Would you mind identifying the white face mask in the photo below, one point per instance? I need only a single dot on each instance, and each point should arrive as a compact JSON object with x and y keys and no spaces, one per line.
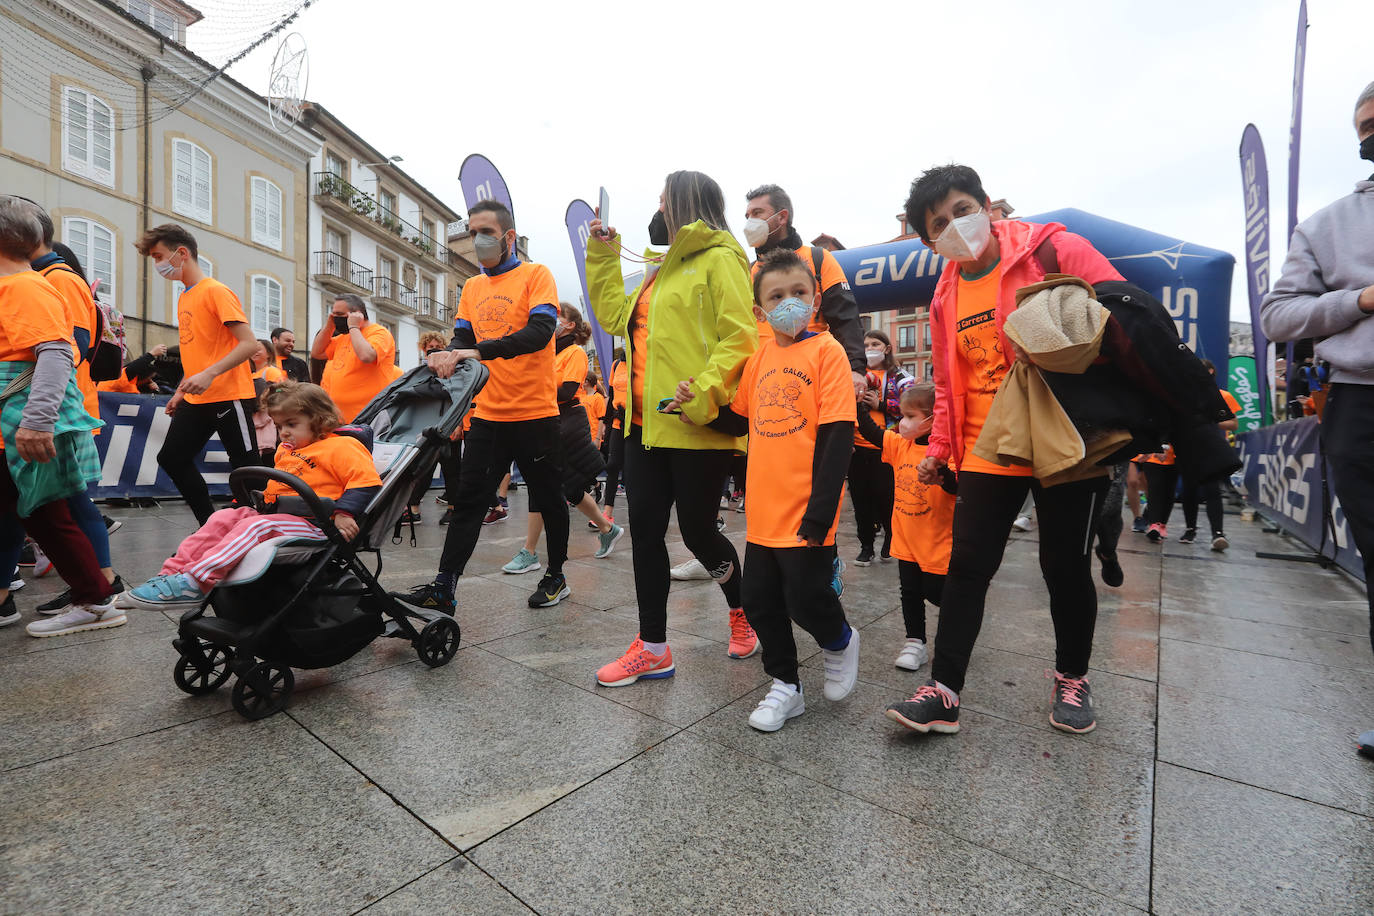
{"x":875,"y":358}
{"x":755,"y":231}
{"x":167,"y":270}
{"x":966,"y":238}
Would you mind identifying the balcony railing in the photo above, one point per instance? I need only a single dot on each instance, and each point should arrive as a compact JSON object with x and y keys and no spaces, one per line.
{"x":394,"y":290}
{"x":333,"y":264}
{"x":327,"y":184}
{"x":429,"y":307}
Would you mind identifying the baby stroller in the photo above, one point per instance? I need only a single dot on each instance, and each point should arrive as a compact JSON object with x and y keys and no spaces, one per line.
{"x":307,"y":604}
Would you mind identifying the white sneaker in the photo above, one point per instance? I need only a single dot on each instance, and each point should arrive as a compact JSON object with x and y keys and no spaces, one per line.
{"x":783,"y":702}
{"x":912,"y":656}
{"x":841,"y":668}
{"x":1023,"y":523}
{"x":692,"y":569}
{"x":41,"y":564}
{"x":80,"y":618}
{"x":16,"y":584}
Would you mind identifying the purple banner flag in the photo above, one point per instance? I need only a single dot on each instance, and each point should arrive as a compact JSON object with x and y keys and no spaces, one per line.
{"x":1254,"y":176}
{"x":578,"y":219}
{"x":1295,"y":126}
{"x":482,"y":181}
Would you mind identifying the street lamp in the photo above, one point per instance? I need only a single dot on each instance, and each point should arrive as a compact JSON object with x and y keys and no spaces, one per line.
{"x":388,"y":161}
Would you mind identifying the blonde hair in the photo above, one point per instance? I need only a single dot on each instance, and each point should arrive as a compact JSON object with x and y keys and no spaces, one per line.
{"x":430,"y":337}
{"x":310,"y":401}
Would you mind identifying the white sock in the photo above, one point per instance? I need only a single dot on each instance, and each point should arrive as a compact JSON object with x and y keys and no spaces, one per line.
{"x":947,"y":692}
{"x":657,"y":648}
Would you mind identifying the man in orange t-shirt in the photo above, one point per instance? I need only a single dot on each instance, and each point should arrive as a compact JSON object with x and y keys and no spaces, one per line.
{"x":216,"y":392}
{"x":506,"y":317}
{"x":361,"y":354}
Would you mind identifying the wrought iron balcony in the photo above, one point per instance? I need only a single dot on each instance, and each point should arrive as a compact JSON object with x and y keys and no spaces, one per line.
{"x":429,"y":307}
{"x":330,"y":265}
{"x":392,"y":290}
{"x":333,"y":188}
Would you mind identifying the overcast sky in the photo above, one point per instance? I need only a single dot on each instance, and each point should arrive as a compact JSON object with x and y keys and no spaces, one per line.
{"x":1133,"y":111}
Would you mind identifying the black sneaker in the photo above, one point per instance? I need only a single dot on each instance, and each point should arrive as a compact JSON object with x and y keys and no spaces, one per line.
{"x":865,"y":557}
{"x":1219,"y":542}
{"x":930,"y":709}
{"x":1073,"y":705}
{"x":410,"y":517}
{"x":1140,"y":525}
{"x":447,"y":516}
{"x":552,"y":589}
{"x":431,"y":595}
{"x":1112,"y":573}
{"x":111,"y":524}
{"x":26,"y":555}
{"x":1188,"y":536}
{"x":886,"y":552}
{"x":720,"y":523}
{"x":8,"y":612}
{"x":1365,"y":743}
{"x":64,"y":600}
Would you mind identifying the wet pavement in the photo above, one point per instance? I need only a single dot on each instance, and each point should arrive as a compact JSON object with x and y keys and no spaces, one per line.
{"x":1221,"y":778}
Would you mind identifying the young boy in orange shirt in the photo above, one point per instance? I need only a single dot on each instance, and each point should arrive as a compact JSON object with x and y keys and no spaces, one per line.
{"x":335,"y":467}
{"x":922,"y":516}
{"x":796,"y":401}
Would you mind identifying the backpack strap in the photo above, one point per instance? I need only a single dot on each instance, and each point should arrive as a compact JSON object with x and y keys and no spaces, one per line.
{"x":817,"y":259}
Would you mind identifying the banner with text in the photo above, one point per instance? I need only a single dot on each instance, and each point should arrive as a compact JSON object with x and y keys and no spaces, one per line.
{"x":1254,"y":176}
{"x":1241,"y":382}
{"x":578,"y":218}
{"x":1282,"y":477}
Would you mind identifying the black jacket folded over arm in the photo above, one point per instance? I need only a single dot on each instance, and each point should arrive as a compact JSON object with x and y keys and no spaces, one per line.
{"x":534,"y":336}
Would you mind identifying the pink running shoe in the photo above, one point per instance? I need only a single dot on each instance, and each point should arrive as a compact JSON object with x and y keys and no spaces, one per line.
{"x":1157,"y":532}
{"x":743,"y":641}
{"x":637,"y":662}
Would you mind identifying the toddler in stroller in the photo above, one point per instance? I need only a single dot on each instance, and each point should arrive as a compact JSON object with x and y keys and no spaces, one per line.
{"x":288,"y":589}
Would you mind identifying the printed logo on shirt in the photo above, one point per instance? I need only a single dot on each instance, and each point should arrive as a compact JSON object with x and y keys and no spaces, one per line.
{"x":184,"y":329}
{"x":492,"y":318}
{"x":777,"y":413}
{"x":909,"y":494}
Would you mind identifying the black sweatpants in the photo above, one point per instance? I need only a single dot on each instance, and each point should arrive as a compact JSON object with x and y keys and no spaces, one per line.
{"x":983,"y":512}
{"x":1210,"y":494}
{"x":917,"y":587}
{"x":1348,"y":442}
{"x":656,"y":480}
{"x":615,"y":463}
{"x":870,"y":490}
{"x":489,"y":449}
{"x":787,"y":584}
{"x":191,"y":427}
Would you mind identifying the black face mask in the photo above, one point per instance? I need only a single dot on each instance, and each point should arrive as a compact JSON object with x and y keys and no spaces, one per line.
{"x":658,"y":229}
{"x":340,"y":324}
{"x":1367,"y":148}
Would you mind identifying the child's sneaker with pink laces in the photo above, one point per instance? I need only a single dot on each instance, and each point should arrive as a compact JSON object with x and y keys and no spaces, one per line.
{"x":744,"y":642}
{"x":1073,"y":705}
{"x":637,"y":662}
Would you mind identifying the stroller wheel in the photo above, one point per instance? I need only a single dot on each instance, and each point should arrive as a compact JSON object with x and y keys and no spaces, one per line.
{"x":201,"y":676}
{"x":263,"y":690}
{"x":438,"y":641}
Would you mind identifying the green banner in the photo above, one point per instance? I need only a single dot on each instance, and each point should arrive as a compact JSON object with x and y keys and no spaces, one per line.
{"x":1244,"y":386}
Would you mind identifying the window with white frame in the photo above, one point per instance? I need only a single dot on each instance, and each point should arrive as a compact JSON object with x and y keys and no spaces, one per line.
{"x":94,"y":246}
{"x":87,"y":136}
{"x":266,"y":305}
{"x":266,"y":213}
{"x":152,"y":13}
{"x":335,"y":166}
{"x":192,"y":177}
{"x":206,"y":268}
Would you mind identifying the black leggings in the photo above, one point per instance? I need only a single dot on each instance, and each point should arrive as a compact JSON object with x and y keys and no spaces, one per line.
{"x":615,"y":463}
{"x":918,"y":587}
{"x":191,"y":427}
{"x":536,"y":448}
{"x":1162,"y":479}
{"x":1347,"y":433}
{"x":983,"y":514}
{"x":870,"y":489}
{"x":1109,"y":522}
{"x":783,"y":585}
{"x":656,"y":480}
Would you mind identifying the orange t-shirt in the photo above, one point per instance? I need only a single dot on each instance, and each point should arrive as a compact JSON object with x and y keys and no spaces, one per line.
{"x":1166,"y":457}
{"x":570,"y":365}
{"x":1231,"y":401}
{"x":922,"y":514}
{"x":982,"y":364}
{"x":76,"y":296}
{"x":596,"y":409}
{"x":521,"y":388}
{"x":31,"y":313}
{"x":352,"y":382}
{"x":329,"y":465}
{"x":620,"y":385}
{"x":639,"y":351}
{"x":121,"y":385}
{"x":203,"y":311}
{"x":788,"y":393}
{"x":879,"y":416}
{"x":831,"y":274}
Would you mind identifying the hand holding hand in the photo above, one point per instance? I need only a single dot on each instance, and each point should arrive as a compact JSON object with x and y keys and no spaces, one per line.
{"x":860,"y":384}
{"x":870,"y":399}
{"x":928,"y":471}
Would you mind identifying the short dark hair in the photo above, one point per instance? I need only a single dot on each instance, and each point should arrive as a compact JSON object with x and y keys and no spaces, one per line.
{"x":777,"y":261}
{"x":20,"y":231}
{"x":354,"y":303}
{"x":777,"y":199}
{"x":169,"y":234}
{"x":920,"y":395}
{"x":503,"y":214}
{"x":934,"y":185}
{"x":277,"y":332}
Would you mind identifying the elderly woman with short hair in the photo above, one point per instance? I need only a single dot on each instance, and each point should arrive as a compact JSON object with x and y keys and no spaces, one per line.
{"x":47,"y":453}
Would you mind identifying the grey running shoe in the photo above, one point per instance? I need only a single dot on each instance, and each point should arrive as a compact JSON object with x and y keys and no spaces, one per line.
{"x":1073,"y":705}
{"x":930,"y":709}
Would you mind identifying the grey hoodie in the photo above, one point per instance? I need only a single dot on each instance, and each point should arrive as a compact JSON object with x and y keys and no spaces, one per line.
{"x":1330,"y":261}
